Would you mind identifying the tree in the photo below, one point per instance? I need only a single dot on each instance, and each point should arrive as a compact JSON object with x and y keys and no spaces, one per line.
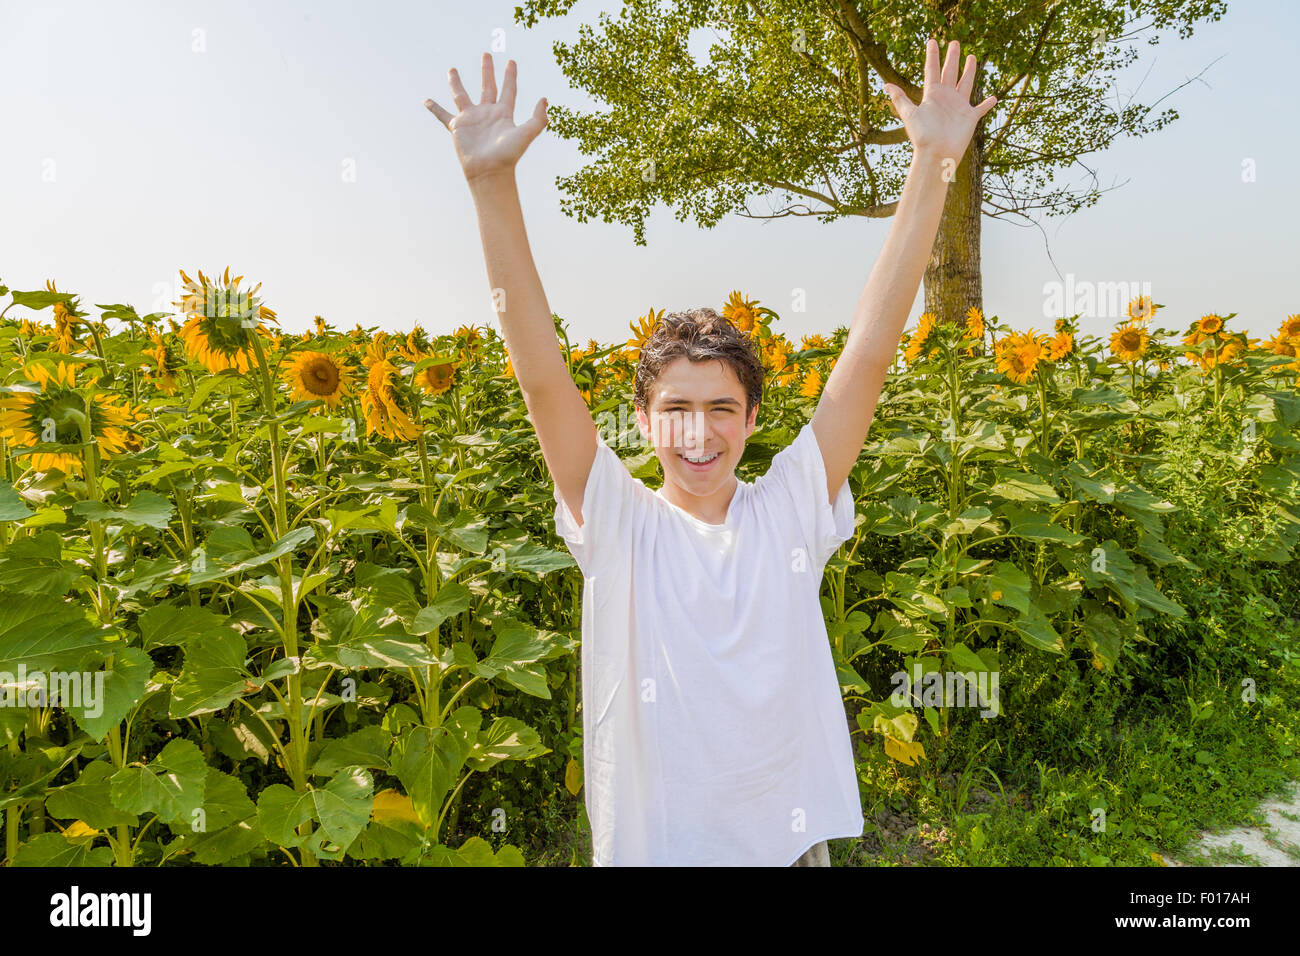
{"x":790,"y":101}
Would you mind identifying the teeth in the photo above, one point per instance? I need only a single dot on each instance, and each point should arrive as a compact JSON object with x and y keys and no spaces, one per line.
{"x":701,"y":461}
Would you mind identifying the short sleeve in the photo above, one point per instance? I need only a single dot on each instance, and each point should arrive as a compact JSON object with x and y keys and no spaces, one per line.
{"x":610,"y":502}
{"x":797,"y":475}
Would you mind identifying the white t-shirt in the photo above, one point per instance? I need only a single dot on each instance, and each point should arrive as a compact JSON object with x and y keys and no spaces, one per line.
{"x":714,"y":733}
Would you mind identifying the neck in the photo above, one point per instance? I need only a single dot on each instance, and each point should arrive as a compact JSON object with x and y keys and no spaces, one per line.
{"x":711,"y":509}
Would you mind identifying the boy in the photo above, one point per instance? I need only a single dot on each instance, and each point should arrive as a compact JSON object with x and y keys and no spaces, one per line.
{"x":713,"y":729}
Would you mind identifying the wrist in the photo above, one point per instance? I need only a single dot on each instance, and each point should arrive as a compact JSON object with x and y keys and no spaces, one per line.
{"x":491,"y":178}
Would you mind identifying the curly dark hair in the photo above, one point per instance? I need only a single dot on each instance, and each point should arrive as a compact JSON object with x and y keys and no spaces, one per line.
{"x":701,"y":335}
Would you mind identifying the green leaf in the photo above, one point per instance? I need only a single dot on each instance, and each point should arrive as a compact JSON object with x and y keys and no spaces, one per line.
{"x":146,"y":510}
{"x":11,"y":504}
{"x":451,"y":599}
{"x":507,"y":739}
{"x":213,"y":675}
{"x":118,"y":690}
{"x":1010,"y":587}
{"x":171,"y":785}
{"x":171,"y":624}
{"x":46,"y":633}
{"x":967,"y":521}
{"x":367,"y":747}
{"x":35,"y":565}
{"x":1022,"y":486}
{"x":1037,"y":526}
{"x":342,"y":808}
{"x":88,"y":799}
{"x":428,"y":760}
{"x":55,"y":850}
{"x":1105,"y":635}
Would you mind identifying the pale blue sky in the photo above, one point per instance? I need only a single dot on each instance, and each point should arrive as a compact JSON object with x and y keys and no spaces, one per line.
{"x":163,"y":156}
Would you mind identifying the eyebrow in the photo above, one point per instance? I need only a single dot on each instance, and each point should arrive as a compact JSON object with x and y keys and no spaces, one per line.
{"x":675,"y":400}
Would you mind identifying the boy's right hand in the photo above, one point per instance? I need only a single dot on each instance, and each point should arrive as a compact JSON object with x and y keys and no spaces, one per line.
{"x":486,"y":137}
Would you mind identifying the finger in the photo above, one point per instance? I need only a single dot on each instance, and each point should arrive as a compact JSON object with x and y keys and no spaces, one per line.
{"x":931,"y":62}
{"x":489,"y":80}
{"x":443,"y":116}
{"x":537,"y":122}
{"x":458,"y":94}
{"x":984,"y":106}
{"x":949,"y":76}
{"x":967,"y":81}
{"x":898,"y":100}
{"x":508,"y":88}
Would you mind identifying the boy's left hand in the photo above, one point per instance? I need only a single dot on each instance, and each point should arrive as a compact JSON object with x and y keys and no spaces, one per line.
{"x":945,"y":121}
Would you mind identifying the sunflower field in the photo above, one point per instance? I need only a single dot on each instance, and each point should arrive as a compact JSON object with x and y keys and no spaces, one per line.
{"x":276,"y":599}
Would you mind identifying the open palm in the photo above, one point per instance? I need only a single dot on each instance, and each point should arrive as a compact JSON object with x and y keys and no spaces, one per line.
{"x":486,"y":137}
{"x":945,"y":121}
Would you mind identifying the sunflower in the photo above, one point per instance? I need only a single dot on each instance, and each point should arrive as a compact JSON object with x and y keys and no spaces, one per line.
{"x":437,"y":378}
{"x":64,"y":320}
{"x":1060,"y":346}
{"x":29,"y":328}
{"x":975,"y":322}
{"x":1019,"y":355}
{"x":26,"y":416}
{"x":414,"y":346}
{"x":320,"y":326}
{"x":314,"y":375}
{"x":1129,"y":342}
{"x":743,"y":313}
{"x":1291,"y":327}
{"x":1204,"y":327}
{"x":1141,"y":309}
{"x":812,"y":342}
{"x":812,"y":384}
{"x":471,"y":339}
{"x":776,"y":352}
{"x":163,"y":364}
{"x":916,"y":343}
{"x":215,"y":334}
{"x":644,"y":328}
{"x":376,"y":351}
{"x":379,"y":404}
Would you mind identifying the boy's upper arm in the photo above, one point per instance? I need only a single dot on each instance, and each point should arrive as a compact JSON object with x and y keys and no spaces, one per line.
{"x":567,"y":436}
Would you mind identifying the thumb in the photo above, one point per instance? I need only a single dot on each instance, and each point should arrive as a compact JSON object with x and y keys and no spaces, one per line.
{"x":537,"y":122}
{"x":898,"y":99}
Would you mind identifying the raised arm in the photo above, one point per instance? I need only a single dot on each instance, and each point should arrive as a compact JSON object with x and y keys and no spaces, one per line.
{"x":940,"y":129}
{"x":488,"y":145}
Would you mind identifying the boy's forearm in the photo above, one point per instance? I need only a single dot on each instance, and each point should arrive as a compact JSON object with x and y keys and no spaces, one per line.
{"x":525,"y":316}
{"x":891,"y":287}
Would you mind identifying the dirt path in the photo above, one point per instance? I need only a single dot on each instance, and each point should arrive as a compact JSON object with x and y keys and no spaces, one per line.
{"x":1275,"y":842}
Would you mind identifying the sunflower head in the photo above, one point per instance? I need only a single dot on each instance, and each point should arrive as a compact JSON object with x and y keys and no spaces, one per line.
{"x":916,"y":342}
{"x":744,"y":314}
{"x":975,"y":322}
{"x":1141,"y":309}
{"x":438,"y":376}
{"x":1208,"y":325}
{"x":644,"y":328}
{"x":320,"y":325}
{"x":54,"y":416}
{"x":1290,"y":327}
{"x":315,"y":375}
{"x":812,"y":384}
{"x":379,"y":404}
{"x":1060,"y":346}
{"x":221,"y":322}
{"x":1129,"y":342}
{"x":1019,"y":354}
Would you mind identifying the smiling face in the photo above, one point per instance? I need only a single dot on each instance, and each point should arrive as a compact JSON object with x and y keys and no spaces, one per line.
{"x":697,"y":409}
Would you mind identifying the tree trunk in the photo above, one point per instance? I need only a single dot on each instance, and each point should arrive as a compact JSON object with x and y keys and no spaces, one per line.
{"x":952,"y":276}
